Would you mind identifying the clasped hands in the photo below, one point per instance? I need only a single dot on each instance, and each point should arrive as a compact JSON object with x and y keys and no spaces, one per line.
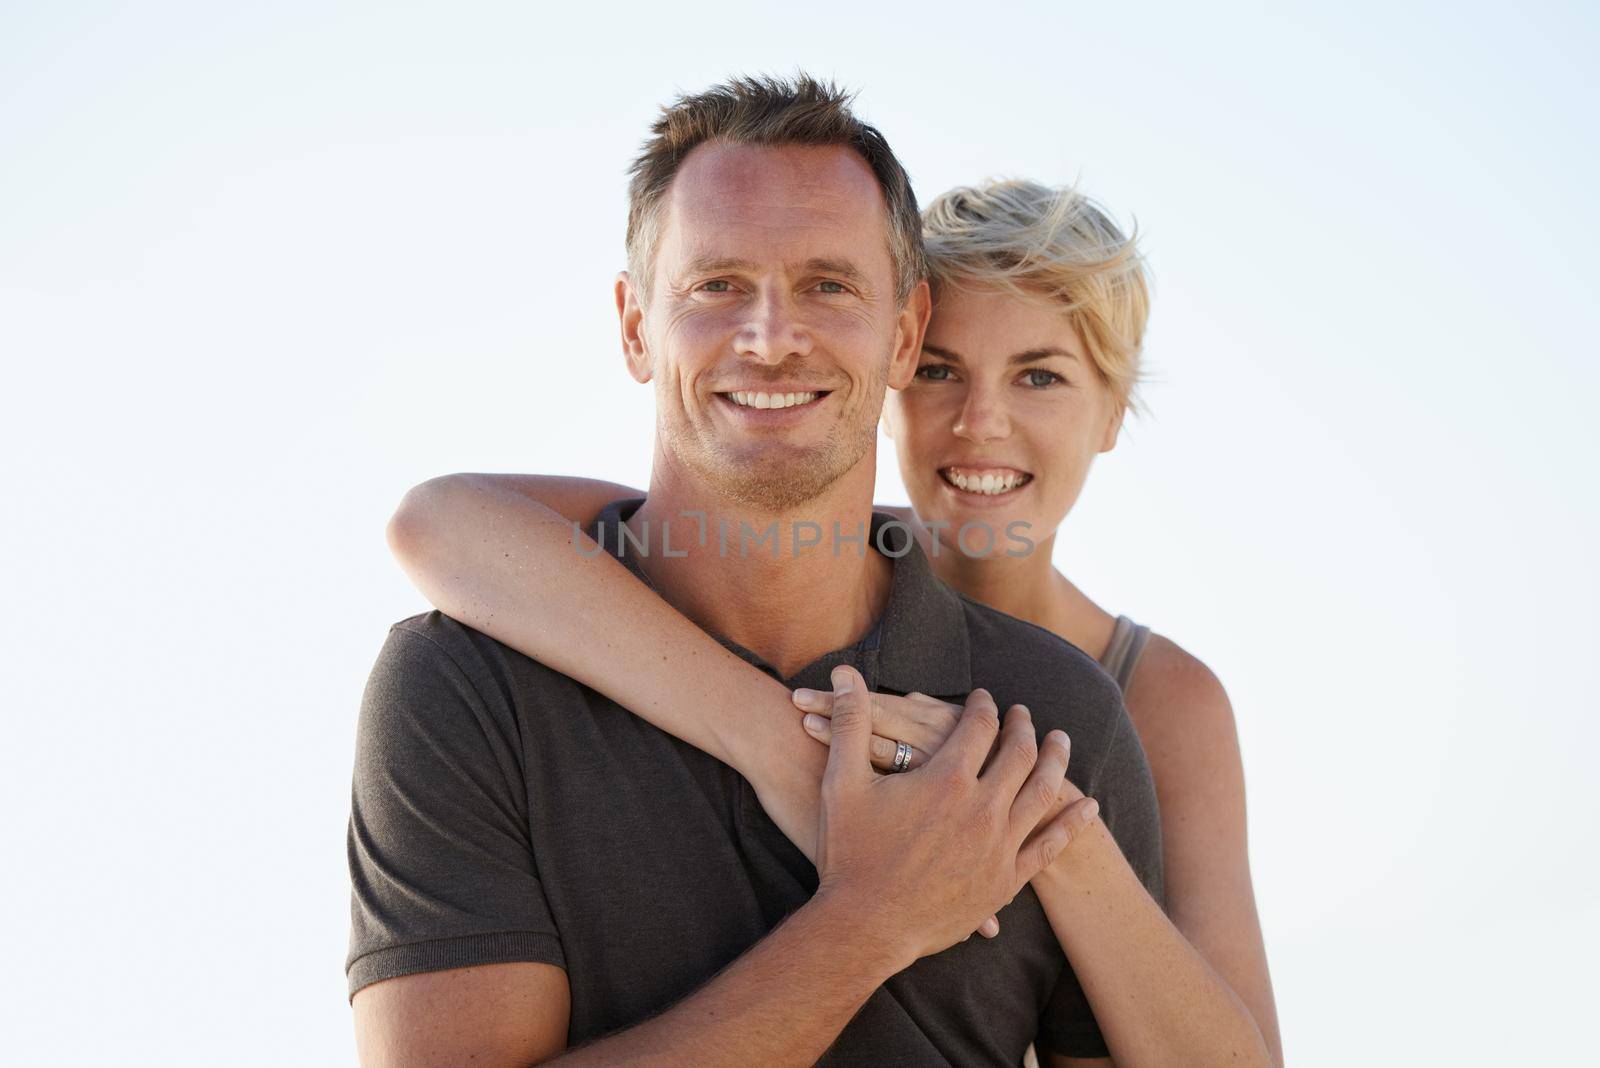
{"x":984,"y":807}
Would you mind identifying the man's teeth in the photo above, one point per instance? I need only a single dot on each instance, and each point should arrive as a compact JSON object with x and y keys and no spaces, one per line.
{"x":990,"y":483}
{"x":771,"y":400}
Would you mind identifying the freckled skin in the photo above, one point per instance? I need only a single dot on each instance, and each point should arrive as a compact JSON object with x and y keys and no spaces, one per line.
{"x":777,"y":318}
{"x":1020,"y":416}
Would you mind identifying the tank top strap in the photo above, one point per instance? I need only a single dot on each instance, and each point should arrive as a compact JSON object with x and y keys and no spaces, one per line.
{"x":1122,"y":655}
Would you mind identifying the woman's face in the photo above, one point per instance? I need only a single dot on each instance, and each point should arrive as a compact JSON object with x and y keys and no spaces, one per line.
{"x":1001,"y":422}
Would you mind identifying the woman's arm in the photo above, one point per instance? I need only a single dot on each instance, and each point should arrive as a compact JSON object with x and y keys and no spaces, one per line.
{"x":1186,"y":725}
{"x":489,"y":551}
{"x":1155,"y":998}
{"x":1192,"y":989}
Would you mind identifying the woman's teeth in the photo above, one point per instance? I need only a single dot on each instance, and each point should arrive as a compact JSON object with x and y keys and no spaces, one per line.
{"x":771,"y":400}
{"x":990,"y":483}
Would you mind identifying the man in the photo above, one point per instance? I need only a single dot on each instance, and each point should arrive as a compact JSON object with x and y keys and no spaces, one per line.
{"x":534,"y":868}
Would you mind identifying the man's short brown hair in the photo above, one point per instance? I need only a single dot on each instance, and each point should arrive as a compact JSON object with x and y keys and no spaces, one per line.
{"x":763,"y":110}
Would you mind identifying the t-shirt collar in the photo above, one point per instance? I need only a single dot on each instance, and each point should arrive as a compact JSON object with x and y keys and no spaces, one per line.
{"x":920,"y":643}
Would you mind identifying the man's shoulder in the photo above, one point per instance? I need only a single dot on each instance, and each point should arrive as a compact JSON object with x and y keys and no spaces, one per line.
{"x":1064,"y":687}
{"x":434,"y":643}
{"x":1027,"y":648}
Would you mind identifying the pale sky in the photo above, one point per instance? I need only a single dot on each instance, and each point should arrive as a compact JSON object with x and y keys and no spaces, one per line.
{"x":264,"y":267}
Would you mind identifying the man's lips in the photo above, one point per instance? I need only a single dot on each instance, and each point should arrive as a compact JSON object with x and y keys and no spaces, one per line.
{"x":773,"y":407}
{"x":770,"y":399}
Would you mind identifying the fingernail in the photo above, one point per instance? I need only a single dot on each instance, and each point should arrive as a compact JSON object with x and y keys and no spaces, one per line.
{"x":813,"y":723}
{"x":842,"y":680}
{"x":805,"y":698}
{"x":1090,"y":810}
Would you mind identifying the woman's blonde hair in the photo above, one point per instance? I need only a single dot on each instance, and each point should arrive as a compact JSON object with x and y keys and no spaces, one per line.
{"x":1039,"y":242}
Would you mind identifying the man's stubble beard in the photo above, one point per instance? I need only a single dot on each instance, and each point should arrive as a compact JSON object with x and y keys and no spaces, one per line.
{"x":776,"y":480}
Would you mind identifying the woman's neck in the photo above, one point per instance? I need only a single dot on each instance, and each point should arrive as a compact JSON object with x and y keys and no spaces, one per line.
{"x":1028,"y":587}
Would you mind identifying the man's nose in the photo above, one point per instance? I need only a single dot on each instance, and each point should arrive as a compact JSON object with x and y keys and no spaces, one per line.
{"x":983,"y":416}
{"x":774,"y":332}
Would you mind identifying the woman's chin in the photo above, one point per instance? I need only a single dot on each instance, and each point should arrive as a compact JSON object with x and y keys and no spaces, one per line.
{"x":987,"y":526}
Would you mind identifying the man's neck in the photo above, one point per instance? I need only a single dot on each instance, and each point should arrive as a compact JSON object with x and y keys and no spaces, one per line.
{"x":755,"y":580}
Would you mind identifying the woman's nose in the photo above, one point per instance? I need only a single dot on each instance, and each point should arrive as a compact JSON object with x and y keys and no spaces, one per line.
{"x":774,"y":331}
{"x":983,"y":417}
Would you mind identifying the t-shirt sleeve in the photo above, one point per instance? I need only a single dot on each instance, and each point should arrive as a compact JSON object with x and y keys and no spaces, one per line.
{"x":1127,"y":795}
{"x":442,"y":871}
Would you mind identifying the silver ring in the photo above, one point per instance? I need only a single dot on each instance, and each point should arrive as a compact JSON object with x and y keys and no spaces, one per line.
{"x":902,"y":757}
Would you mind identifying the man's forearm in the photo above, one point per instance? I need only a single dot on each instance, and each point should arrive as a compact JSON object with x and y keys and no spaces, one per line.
{"x":782,"y":1002}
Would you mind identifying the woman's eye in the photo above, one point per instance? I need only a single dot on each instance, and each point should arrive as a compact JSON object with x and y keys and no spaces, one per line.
{"x":1043,"y":379}
{"x":928,"y":370}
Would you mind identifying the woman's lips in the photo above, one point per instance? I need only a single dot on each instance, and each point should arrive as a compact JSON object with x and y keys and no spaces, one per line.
{"x":984,"y":483}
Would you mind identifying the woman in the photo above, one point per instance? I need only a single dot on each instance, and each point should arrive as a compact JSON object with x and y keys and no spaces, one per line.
{"x":1028,"y":365}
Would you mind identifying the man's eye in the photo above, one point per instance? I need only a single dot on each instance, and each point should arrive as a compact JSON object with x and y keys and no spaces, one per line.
{"x":1050,"y":378}
{"x":832,"y":287}
{"x":719,"y":286}
{"x":927,"y":371}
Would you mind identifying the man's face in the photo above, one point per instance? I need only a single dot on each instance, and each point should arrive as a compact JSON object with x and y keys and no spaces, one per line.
{"x":772,"y":329}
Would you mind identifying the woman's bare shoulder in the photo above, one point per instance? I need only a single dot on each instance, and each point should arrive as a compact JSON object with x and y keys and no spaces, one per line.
{"x":1181,"y":711}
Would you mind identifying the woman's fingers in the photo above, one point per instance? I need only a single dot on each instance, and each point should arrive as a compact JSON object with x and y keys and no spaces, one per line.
{"x":990,"y":928}
{"x":882,"y":749}
{"x":920,"y":721}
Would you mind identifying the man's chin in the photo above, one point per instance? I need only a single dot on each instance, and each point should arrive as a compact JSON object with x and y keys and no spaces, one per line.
{"x":773,"y":484}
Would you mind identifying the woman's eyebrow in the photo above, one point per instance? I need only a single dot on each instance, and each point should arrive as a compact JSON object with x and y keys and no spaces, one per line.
{"x":1031,"y":355}
{"x":1026,"y":356}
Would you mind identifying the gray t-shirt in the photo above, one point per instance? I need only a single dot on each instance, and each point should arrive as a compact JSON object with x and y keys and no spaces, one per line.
{"x":502,"y":811}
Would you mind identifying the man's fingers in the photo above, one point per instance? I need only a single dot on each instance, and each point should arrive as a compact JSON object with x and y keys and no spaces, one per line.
{"x":849,"y":753}
{"x":973,"y":737}
{"x":1048,"y":842}
{"x":1039,"y":794}
{"x":990,"y":928}
{"x":1015,"y":753}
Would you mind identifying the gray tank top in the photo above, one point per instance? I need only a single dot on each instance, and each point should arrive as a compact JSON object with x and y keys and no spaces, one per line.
{"x":1122,"y":655}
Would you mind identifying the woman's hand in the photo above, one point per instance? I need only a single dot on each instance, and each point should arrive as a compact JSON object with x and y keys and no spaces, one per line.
{"x":923,"y":723}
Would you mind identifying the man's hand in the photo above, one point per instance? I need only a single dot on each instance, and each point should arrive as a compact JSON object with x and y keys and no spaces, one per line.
{"x":924,"y":723}
{"x":922,"y":857}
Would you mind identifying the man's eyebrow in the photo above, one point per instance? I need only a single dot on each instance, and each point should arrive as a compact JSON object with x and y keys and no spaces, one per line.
{"x":716,"y":264}
{"x":1025,"y":356}
{"x":842,"y":268}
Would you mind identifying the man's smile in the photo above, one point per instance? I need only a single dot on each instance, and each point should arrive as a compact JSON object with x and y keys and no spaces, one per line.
{"x":773,"y":407}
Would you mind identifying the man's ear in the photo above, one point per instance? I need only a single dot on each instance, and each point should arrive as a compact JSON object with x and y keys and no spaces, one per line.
{"x":910,"y":324}
{"x":630,"y":314}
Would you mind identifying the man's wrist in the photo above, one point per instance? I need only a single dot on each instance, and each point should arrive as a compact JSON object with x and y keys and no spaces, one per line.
{"x":868,"y":943}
